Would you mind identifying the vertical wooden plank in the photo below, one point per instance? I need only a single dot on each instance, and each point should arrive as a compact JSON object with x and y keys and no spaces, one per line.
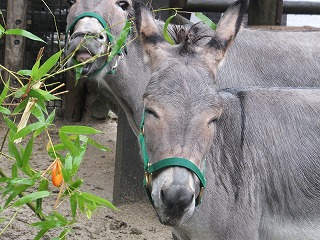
{"x":74,"y":101}
{"x":265,"y":12}
{"x":280,"y":19}
{"x":128,"y":174}
{"x":15,"y":45}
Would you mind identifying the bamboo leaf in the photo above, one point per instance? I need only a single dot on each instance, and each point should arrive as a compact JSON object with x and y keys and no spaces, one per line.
{"x":21,"y":91}
{"x":25,"y":72}
{"x":98,"y":200}
{"x":13,"y":150}
{"x":50,"y":118}
{"x":45,"y":68}
{"x":35,"y":67}
{"x":23,"y":33}
{"x":31,"y":197}
{"x":26,"y":157}
{"x":66,"y":170}
{"x":21,"y":106}
{"x":22,"y":181}
{"x":28,"y":129}
{"x":79,"y":130}
{"x":43,"y":186}
{"x":121,"y":40}
{"x":5,"y":111}
{"x":68,"y":143}
{"x":41,"y":233}
{"x":61,"y":219}
{"x":53,"y":221}
{"x":38,"y":131}
{"x":78,"y":69}
{"x":14,"y":192}
{"x":165,"y":30}
{"x":78,"y":159}
{"x":57,"y":147}
{"x":42,"y":105}
{"x":73,"y":186}
{"x":95,"y":144}
{"x":11,"y":124}
{"x":38,"y":113}
{"x":27,"y":152}
{"x":207,"y":21}
{"x":41,"y":94}
{"x":2,"y":30}
{"x":14,"y":171}
{"x":73,"y":205}
{"x":81,"y":203}
{"x":4,"y":92}
{"x":63,"y":234}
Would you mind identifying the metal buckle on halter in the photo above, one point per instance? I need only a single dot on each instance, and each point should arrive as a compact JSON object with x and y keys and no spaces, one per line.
{"x":200,"y":196}
{"x":115,"y":66}
{"x":147,"y":177}
{"x":142,"y":133}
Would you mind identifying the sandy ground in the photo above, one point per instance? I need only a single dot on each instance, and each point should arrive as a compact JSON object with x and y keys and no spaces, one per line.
{"x":133,"y":221}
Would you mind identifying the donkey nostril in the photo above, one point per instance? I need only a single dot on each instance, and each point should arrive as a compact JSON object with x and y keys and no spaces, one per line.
{"x":101,"y":37}
{"x":176,"y":197}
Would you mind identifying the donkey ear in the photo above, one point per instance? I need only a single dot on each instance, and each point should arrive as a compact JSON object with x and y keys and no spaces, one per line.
{"x":152,"y":41}
{"x":228,"y":28}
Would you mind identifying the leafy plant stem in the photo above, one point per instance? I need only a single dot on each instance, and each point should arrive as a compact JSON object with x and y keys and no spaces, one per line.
{"x":11,"y":220}
{"x":29,"y":204}
{"x":12,"y":74}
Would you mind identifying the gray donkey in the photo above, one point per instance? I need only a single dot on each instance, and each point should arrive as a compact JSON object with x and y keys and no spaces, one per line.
{"x":269,"y":57}
{"x":252,"y":152}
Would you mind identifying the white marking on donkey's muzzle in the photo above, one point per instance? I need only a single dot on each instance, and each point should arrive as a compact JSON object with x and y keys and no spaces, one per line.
{"x":173,"y":193}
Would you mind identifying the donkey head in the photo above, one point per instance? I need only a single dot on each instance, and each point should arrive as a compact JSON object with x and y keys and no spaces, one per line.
{"x":182,"y":107}
{"x":91,"y":26}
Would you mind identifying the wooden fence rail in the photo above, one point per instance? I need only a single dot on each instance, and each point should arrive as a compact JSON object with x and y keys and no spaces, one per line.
{"x":302,"y":7}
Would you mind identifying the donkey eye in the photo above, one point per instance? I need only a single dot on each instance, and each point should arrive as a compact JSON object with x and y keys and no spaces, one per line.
{"x":212,"y":120}
{"x":124,"y":5}
{"x":151,"y":112}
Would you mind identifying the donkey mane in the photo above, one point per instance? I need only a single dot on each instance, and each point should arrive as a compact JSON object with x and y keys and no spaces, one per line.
{"x":188,"y":37}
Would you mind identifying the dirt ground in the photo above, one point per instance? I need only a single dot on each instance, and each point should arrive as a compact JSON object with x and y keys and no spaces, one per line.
{"x":133,"y":221}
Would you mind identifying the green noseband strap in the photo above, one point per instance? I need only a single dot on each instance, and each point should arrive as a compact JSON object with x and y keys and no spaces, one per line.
{"x":177,"y":162}
{"x":167,"y":162}
{"x":96,"y":16}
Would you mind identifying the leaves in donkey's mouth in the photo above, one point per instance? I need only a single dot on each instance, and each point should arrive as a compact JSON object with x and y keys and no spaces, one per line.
{"x":121,"y":40}
{"x":207,"y":21}
{"x":165,"y":30}
{"x":78,"y":69}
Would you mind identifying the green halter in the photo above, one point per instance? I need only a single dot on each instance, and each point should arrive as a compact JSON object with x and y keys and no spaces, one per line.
{"x":109,"y":36}
{"x":167,"y":162}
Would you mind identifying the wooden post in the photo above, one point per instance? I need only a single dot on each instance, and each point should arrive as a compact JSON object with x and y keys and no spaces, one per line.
{"x":74,"y":100}
{"x":128,"y":173}
{"x":265,"y":12}
{"x":15,"y":45}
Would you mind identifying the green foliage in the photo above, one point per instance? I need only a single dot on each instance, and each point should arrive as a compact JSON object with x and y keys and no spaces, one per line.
{"x":121,"y":40}
{"x":19,"y":32}
{"x":207,"y":21}
{"x":165,"y":30}
{"x":69,"y":151}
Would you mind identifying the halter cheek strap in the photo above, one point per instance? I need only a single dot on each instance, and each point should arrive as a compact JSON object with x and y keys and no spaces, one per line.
{"x":167,"y":162}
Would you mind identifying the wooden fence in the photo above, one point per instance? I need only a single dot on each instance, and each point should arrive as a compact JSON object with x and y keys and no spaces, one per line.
{"x":18,"y":53}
